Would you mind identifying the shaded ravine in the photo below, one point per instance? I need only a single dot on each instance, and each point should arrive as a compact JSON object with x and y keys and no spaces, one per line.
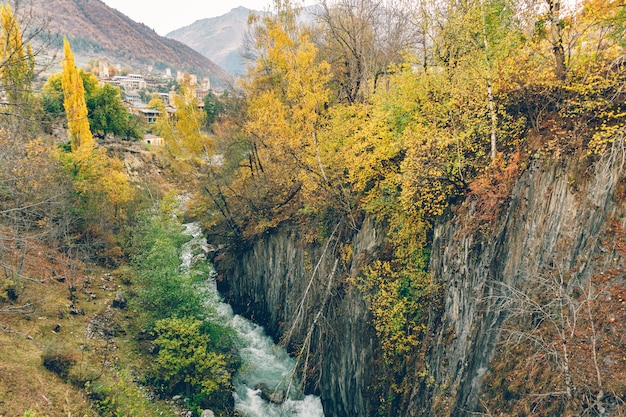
{"x":268,"y":370}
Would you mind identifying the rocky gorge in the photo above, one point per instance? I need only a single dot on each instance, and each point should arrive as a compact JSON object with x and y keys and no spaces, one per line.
{"x":558,"y":219}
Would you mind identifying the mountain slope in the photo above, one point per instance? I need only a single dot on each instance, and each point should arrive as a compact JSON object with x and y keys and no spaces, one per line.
{"x":220,"y":38}
{"x":96,"y":30}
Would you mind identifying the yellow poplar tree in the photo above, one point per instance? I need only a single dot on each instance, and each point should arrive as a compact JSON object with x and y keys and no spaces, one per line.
{"x":99,"y":180}
{"x":75,"y":105}
{"x":287,"y":111}
{"x":16,"y":59}
{"x":187,"y":139}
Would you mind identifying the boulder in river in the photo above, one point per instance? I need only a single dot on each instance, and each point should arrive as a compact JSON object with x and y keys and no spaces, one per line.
{"x":276,"y":396}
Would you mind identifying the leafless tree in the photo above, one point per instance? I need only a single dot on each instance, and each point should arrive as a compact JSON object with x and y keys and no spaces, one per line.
{"x":361,"y":39}
{"x":556,"y":316}
{"x":32,"y":193}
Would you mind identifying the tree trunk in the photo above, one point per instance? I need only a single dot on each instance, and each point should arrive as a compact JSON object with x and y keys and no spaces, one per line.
{"x":556,"y":38}
{"x":492,"y":107}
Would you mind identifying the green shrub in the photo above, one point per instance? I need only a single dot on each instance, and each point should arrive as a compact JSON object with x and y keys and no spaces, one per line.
{"x":165,"y":290}
{"x":188,"y":364}
{"x":122,"y":397}
{"x":195,"y":356}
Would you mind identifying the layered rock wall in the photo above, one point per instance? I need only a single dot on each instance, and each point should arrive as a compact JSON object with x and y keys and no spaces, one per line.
{"x":553,"y":220}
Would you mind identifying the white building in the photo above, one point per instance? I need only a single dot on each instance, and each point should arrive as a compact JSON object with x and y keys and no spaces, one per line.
{"x":135,"y":82}
{"x":130,"y":82}
{"x":103,"y":69}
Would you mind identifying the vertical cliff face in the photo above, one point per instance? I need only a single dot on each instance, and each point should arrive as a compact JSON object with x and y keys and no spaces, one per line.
{"x":554,"y":220}
{"x":298,"y":291}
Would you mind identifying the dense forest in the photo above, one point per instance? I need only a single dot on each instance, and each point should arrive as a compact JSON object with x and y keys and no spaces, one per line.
{"x":393,"y":111}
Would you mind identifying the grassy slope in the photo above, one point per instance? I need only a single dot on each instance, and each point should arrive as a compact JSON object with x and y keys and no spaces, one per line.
{"x":26,"y":384}
{"x":27,"y":332}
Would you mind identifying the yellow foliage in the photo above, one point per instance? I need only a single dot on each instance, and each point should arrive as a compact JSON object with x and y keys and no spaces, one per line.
{"x":287,"y":105}
{"x":186,"y":139}
{"x":98,"y":174}
{"x":287,"y":99}
{"x":17,"y":63}
{"x":74,"y":103}
{"x":398,"y":301}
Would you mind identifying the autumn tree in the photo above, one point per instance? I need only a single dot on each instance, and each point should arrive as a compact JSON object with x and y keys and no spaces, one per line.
{"x":22,"y":57}
{"x":556,"y":38}
{"x":576,"y":34}
{"x":286,"y":106}
{"x":477,"y":39}
{"x":188,"y":146}
{"x":17,"y":62}
{"x":188,"y":138}
{"x":74,"y":102}
{"x":101,"y":187}
{"x":33,"y":191}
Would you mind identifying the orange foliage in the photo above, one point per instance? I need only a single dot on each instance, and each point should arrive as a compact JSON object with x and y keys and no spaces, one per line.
{"x":492,"y":189}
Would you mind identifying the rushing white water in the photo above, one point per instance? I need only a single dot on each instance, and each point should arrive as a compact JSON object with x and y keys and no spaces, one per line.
{"x":265,"y":364}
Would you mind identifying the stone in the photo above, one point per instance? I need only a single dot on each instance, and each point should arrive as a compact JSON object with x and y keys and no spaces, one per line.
{"x":207,"y":413}
{"x":275,"y":396}
{"x":119,"y":301}
{"x":74,"y":311}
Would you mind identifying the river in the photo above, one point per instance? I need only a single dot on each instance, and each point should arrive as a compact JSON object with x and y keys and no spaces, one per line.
{"x":265,"y":364}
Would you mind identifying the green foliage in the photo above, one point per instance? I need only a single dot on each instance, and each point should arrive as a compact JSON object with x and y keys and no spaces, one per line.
{"x":196,"y":356}
{"x":166,"y":291}
{"x":107,"y":114}
{"x":213,"y":107}
{"x":106,"y":111}
{"x":121,"y":397}
{"x":187,"y":362}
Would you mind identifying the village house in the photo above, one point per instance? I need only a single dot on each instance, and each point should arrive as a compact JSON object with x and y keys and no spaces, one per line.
{"x":153,"y":140}
{"x":150,"y":115}
{"x":129,"y":82}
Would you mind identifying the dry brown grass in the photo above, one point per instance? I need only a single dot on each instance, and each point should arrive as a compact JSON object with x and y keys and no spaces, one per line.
{"x":66,"y":310}
{"x":40,"y":318}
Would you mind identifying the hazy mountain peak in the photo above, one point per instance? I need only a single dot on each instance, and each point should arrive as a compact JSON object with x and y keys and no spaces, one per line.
{"x":219,"y":38}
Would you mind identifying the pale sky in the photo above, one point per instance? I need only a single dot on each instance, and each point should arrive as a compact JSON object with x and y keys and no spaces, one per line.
{"x":166,"y":15}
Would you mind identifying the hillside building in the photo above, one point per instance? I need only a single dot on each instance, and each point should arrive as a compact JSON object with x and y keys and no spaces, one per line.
{"x":103,"y":69}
